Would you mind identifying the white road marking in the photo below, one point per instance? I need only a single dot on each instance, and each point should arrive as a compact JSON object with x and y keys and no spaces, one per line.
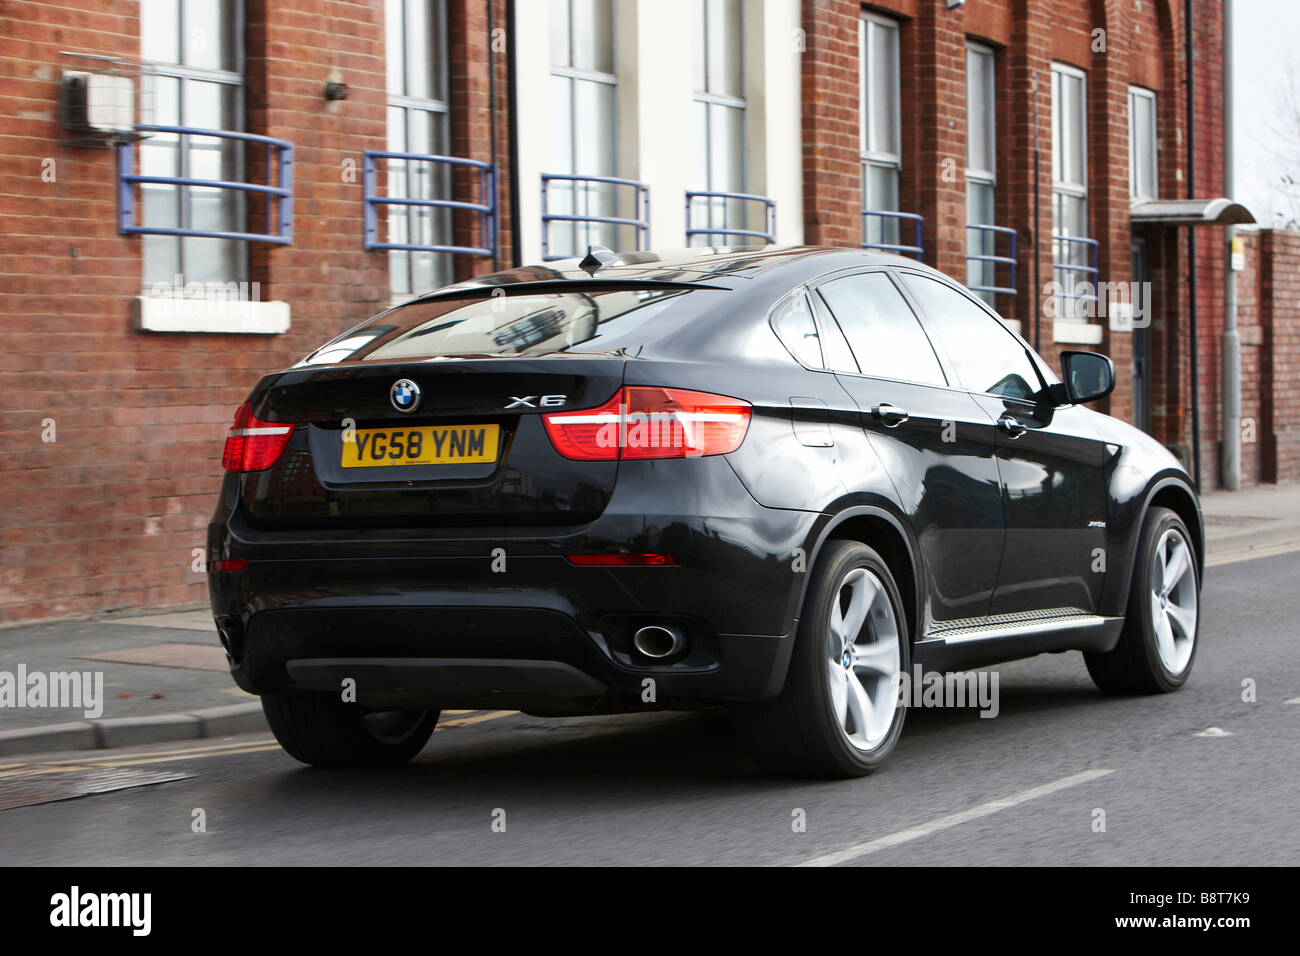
{"x":1294,"y":700}
{"x":1213,"y":732}
{"x":953,"y":819}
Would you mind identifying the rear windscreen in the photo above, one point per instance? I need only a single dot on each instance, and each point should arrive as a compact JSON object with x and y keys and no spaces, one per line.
{"x":519,"y":323}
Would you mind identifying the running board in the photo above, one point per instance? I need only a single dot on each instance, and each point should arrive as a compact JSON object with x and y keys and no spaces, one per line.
{"x":980,"y":641}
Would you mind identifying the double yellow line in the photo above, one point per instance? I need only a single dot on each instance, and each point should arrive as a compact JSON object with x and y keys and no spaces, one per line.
{"x":262,"y":743}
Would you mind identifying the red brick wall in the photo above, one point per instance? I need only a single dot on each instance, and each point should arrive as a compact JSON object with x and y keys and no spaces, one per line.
{"x":1268,"y":296}
{"x":1140,"y":45}
{"x":107,"y":516}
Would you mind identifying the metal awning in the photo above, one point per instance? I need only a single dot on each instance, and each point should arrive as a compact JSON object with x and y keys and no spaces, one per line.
{"x":1191,"y":212}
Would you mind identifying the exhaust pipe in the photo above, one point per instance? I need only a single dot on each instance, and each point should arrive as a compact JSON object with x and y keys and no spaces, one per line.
{"x":658,"y":641}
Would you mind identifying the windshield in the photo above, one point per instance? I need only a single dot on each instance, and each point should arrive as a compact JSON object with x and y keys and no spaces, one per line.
{"x":521,"y":323}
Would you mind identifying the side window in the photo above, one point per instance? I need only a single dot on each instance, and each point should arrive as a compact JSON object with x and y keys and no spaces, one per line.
{"x":885,"y":336}
{"x":987,"y":357}
{"x":794,"y":325}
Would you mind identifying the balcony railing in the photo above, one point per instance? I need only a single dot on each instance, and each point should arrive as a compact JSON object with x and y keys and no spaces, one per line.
{"x":915,"y":249}
{"x":985,"y":238}
{"x":640,"y":200}
{"x":279,"y":199}
{"x":724,"y":201}
{"x":485,"y":208}
{"x":1065,"y":269}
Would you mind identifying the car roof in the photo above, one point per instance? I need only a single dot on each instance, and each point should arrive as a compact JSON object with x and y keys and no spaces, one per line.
{"x":712,"y":266}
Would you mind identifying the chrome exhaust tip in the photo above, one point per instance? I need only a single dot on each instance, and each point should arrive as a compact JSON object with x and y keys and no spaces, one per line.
{"x":658,"y":641}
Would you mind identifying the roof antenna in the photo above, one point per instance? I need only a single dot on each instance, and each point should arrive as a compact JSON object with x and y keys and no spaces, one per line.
{"x":597,"y":258}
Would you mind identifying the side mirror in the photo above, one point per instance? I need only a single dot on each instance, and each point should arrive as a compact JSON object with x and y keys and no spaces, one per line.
{"x":1088,"y":376}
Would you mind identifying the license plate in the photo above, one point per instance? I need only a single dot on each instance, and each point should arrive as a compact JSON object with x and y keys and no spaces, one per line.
{"x":427,"y":445}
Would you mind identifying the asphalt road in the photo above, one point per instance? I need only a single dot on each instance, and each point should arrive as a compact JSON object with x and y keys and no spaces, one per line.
{"x":1022,"y":788}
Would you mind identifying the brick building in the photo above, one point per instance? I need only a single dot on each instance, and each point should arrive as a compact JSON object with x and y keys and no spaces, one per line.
{"x":141,"y":305}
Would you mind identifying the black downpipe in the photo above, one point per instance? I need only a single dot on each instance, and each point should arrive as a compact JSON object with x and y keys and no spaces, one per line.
{"x":1036,"y":293}
{"x":512,"y":100}
{"x":1191,"y":244}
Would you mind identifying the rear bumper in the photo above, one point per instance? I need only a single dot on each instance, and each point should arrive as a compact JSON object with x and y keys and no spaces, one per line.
{"x":474,"y":620}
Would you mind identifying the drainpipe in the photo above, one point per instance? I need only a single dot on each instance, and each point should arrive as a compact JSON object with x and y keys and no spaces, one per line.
{"x":1191,"y":244}
{"x":512,"y":121}
{"x":1230,"y":439}
{"x":492,"y":130}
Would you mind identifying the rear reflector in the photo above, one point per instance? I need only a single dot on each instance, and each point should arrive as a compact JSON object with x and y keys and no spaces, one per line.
{"x":619,"y":560}
{"x":252,"y":444}
{"x":236,"y":565}
{"x":651,"y":422}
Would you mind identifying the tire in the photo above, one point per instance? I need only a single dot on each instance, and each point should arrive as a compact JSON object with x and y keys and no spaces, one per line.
{"x":320,"y":729}
{"x":809,"y":729}
{"x":1157,"y":646}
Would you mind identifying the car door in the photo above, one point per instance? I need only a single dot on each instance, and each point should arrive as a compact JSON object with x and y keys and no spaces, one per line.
{"x":1051,"y":460}
{"x":937,"y":445}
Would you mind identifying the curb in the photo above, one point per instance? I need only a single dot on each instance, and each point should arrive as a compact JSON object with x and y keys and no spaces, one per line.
{"x":111,"y":732}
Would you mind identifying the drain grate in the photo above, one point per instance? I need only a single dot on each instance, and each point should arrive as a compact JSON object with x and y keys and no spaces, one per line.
{"x":22,"y":790}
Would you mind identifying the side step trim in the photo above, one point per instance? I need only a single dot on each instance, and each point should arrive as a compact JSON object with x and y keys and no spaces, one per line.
{"x":981,"y":642}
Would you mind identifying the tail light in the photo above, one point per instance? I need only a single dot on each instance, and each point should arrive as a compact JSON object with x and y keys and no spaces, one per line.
{"x":651,"y":422}
{"x":252,"y":444}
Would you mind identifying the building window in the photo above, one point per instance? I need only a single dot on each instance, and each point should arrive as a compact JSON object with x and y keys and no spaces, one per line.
{"x":1142,"y":169}
{"x":879,"y":126}
{"x":1074,"y":253}
{"x":719,"y":115}
{"x":981,"y":169}
{"x":418,"y":123}
{"x":583,"y":92}
{"x":192,"y":75}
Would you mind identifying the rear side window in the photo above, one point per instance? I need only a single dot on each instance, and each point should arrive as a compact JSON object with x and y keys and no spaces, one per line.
{"x":797,"y":331}
{"x":882,"y":330}
{"x":987,"y":357}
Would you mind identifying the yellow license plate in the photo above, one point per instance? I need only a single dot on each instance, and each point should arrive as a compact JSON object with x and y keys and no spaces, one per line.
{"x":428,"y":445}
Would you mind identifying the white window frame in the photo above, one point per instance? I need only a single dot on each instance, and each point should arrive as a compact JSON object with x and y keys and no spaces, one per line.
{"x":1135,"y":162}
{"x":871,"y":156}
{"x":981,"y":243}
{"x":183,"y":75}
{"x":717,"y":210}
{"x":419,"y":220}
{"x":1069,"y":327}
{"x":587,"y":233}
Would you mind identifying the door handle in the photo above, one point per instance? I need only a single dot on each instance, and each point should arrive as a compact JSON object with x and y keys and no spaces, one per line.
{"x":1012,"y":427}
{"x":891,"y":415}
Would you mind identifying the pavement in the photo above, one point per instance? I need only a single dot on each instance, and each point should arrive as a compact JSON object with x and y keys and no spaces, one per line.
{"x":165,"y":678}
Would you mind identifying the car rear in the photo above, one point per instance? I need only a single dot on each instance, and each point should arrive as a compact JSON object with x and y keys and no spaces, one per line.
{"x":485,"y":499}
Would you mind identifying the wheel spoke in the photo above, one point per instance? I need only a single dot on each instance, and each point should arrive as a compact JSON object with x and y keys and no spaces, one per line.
{"x":1177,"y":566}
{"x":861,"y":593}
{"x":838,"y":682}
{"x":861,"y":710}
{"x":880,"y":657}
{"x":1165,"y":639}
{"x":1183,"y":620}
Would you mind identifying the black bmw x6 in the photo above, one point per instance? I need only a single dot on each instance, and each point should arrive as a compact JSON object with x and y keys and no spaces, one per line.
{"x":771,"y":479}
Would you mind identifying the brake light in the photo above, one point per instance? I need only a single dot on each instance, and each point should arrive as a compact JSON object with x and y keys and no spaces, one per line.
{"x":252,"y":444}
{"x":651,"y":422}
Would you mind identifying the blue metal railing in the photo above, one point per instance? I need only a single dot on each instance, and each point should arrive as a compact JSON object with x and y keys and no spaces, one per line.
{"x":991,"y":233}
{"x":917,"y":247}
{"x":1064,"y":264}
{"x":769,"y":216}
{"x":486,"y":208}
{"x":641,"y":193}
{"x":279,"y":228}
